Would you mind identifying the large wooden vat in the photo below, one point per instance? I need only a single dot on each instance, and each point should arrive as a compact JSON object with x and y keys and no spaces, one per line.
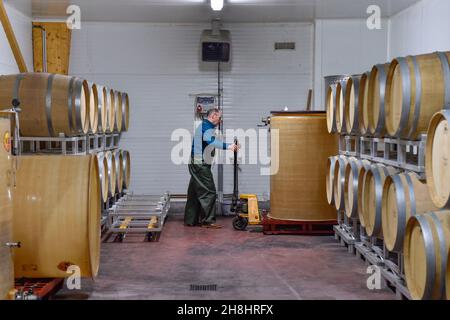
{"x":363,"y":99}
{"x":125,"y":112}
{"x":354,"y":169}
{"x":339,"y":182}
{"x":118,"y":111}
{"x":118,"y":159}
{"x":331,"y":164}
{"x":57,"y":216}
{"x":110,"y":110}
{"x":111,"y":161}
{"x":6,"y":216}
{"x":93,"y":108}
{"x":341,"y":125}
{"x":126,"y":169}
{"x":352,"y":104}
{"x":417,"y":87}
{"x":437,"y":157}
{"x":376,"y":107}
{"x":103,"y":174}
{"x":297,"y":189}
{"x":404,"y":196}
{"x":51,"y":104}
{"x":426,"y":252}
{"x":372,"y":195}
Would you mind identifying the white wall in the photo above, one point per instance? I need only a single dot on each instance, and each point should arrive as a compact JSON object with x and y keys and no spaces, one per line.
{"x":422,"y":28}
{"x":346,"y":47}
{"x":157,"y":64}
{"x":23,"y":31}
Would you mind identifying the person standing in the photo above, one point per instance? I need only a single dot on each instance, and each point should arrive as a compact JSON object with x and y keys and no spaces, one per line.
{"x":201,"y":198}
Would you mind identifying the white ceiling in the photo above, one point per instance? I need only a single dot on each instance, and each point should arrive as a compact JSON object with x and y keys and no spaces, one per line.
{"x":199,"y":10}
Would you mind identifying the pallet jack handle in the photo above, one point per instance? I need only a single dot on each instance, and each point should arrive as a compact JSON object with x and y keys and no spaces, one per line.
{"x":235,"y":180}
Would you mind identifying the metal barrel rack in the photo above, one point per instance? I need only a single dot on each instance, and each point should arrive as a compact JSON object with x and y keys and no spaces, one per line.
{"x":137,"y":214}
{"x":402,"y":154}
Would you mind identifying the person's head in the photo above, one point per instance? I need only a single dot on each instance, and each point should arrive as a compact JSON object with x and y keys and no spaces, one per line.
{"x":214,"y":116}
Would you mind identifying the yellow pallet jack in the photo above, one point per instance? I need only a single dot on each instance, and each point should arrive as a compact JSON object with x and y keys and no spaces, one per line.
{"x":245,"y":205}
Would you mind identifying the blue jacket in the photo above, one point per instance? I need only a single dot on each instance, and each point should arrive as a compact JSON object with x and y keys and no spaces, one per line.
{"x":204,"y":138}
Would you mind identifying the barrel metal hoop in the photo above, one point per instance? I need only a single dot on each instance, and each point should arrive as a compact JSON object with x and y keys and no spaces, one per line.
{"x":333,"y":98}
{"x":446,"y":72}
{"x":382,"y":76}
{"x":401,"y":205}
{"x":355,"y":124}
{"x":412,"y":195}
{"x":16,"y":89}
{"x":48,"y":104}
{"x":378,"y":196}
{"x":77,"y":96}
{"x":354,"y":168}
{"x":70,"y":104}
{"x":344,"y":92}
{"x":418,"y":97}
{"x":443,"y":252}
{"x":430,"y":255}
{"x":406,"y":92}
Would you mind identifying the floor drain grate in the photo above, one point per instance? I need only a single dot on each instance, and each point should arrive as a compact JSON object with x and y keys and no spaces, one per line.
{"x":207,"y":287}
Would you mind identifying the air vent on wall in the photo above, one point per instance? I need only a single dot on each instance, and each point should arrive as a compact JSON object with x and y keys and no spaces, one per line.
{"x":284,"y":45}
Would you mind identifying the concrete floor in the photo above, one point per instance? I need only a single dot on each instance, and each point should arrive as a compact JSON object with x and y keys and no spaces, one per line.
{"x":243,"y":265}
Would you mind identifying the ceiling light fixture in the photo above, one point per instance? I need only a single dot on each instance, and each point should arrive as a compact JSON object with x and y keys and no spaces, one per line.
{"x":217,"y":5}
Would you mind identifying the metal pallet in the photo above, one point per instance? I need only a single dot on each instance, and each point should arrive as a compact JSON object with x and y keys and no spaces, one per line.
{"x":349,"y":145}
{"x":347,"y":231}
{"x":137,"y":214}
{"x":402,"y":154}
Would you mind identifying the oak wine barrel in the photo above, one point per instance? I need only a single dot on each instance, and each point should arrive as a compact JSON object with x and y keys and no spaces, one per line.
{"x":417,"y":88}
{"x":57,"y":210}
{"x":437,"y":155}
{"x":112,"y":179}
{"x":93,"y":108}
{"x":6,"y":209}
{"x":102,"y":108}
{"x":404,"y":196}
{"x":103,"y":175}
{"x":51,"y":103}
{"x":376,"y":107}
{"x":354,"y":169}
{"x":341,"y":125}
{"x":125,"y":112}
{"x":352,"y":105}
{"x":126,"y":169}
{"x":330,"y":103}
{"x":426,"y":252}
{"x":339,"y":182}
{"x":361,"y":181}
{"x":110,"y":110}
{"x":363,"y":99}
{"x":118,"y":159}
{"x":299,"y":166}
{"x":372,"y":198}
{"x":331,"y":164}
{"x":117,"y":111}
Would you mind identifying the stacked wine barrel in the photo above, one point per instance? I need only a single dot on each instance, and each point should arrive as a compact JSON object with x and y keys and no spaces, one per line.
{"x":404,"y":99}
{"x":58,"y":199}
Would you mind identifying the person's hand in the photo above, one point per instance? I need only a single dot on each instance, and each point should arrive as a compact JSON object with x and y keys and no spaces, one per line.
{"x":234,"y":147}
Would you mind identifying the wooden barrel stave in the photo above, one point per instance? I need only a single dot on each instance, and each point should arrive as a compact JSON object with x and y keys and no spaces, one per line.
{"x":351,"y":188}
{"x":351,"y":104}
{"x":126,"y":169}
{"x":341,"y":125}
{"x":103,"y":174}
{"x":118,"y":159}
{"x":363,"y":99}
{"x":112,"y":179}
{"x":339,"y":182}
{"x":125,"y":112}
{"x":331,"y":164}
{"x":331,"y":108}
{"x":93,"y":108}
{"x":117,"y":111}
{"x":110,"y":110}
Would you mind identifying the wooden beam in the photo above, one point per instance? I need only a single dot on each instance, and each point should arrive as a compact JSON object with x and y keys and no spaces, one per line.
{"x":58,"y":43}
{"x":12,"y":38}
